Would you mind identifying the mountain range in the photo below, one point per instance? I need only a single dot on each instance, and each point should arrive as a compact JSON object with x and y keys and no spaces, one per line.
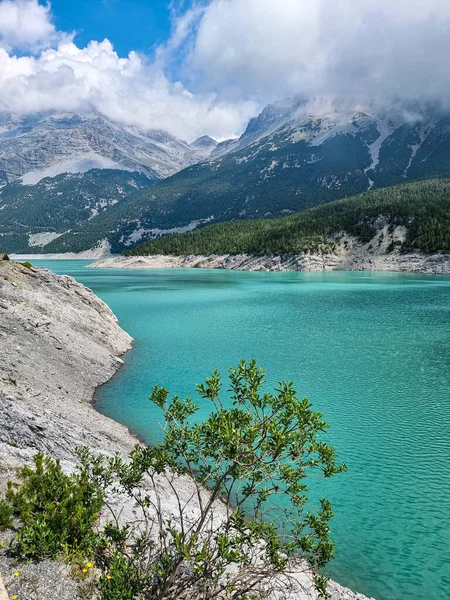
{"x":43,"y":145}
{"x":290,"y":157}
{"x":58,"y":170}
{"x":411,"y":217}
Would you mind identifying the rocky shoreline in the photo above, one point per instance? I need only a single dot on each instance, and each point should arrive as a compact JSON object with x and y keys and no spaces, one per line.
{"x":59,"y":342}
{"x":407,"y":263}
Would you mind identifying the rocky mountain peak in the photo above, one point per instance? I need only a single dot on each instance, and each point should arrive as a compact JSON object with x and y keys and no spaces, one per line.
{"x":205,"y":141}
{"x":41,"y":145}
{"x":203,"y":146}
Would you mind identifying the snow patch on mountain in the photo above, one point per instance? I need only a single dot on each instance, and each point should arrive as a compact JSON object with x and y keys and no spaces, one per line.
{"x":332,"y":130}
{"x":101,"y":204}
{"x":78,"y":164}
{"x":414,"y":148}
{"x":385,"y":129}
{"x":269,"y":169}
{"x":424,"y":132}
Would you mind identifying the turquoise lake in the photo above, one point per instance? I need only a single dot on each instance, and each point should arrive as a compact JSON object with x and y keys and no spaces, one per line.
{"x":372,"y":353}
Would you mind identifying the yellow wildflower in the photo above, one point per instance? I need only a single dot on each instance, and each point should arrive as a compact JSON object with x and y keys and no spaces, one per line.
{"x":16,"y":574}
{"x":108,"y":577}
{"x":14,"y":597}
{"x":89,"y":565}
{"x":85,"y":570}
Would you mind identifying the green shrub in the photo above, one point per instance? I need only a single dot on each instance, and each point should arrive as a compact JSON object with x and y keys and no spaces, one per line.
{"x":263,"y":445}
{"x":6,"y":515}
{"x":27,"y":264}
{"x":5,"y":257}
{"x":122,"y":581}
{"x":57,"y":511}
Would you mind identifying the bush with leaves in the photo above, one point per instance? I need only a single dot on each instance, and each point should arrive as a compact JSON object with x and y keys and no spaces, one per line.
{"x":221,"y":505}
{"x":6,"y":515}
{"x":57,"y":512}
{"x":239,"y":538}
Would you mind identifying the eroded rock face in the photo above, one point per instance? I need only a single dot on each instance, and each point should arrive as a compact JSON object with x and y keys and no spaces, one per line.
{"x":356,"y":259}
{"x":58,"y":342}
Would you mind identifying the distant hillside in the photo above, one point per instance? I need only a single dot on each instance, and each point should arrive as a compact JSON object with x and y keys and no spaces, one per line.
{"x":46,"y":165}
{"x":422,"y":208}
{"x":32,"y":216}
{"x":286,"y":161}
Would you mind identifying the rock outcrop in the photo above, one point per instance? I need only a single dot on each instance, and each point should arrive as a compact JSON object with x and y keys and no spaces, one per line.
{"x":58,"y":343}
{"x":410,"y":263}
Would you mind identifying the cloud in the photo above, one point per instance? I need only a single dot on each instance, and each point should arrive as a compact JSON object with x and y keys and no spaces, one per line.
{"x":225,"y":59}
{"x":26,"y":25}
{"x":134,"y":91}
{"x":362,"y":50}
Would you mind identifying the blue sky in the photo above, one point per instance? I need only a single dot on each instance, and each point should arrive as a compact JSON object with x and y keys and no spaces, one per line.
{"x":128,"y":24}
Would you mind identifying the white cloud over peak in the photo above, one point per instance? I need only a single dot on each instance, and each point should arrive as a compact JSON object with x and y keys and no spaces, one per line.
{"x":382,"y":49}
{"x":133,"y":90}
{"x":234,"y":56}
{"x":26,"y":25}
